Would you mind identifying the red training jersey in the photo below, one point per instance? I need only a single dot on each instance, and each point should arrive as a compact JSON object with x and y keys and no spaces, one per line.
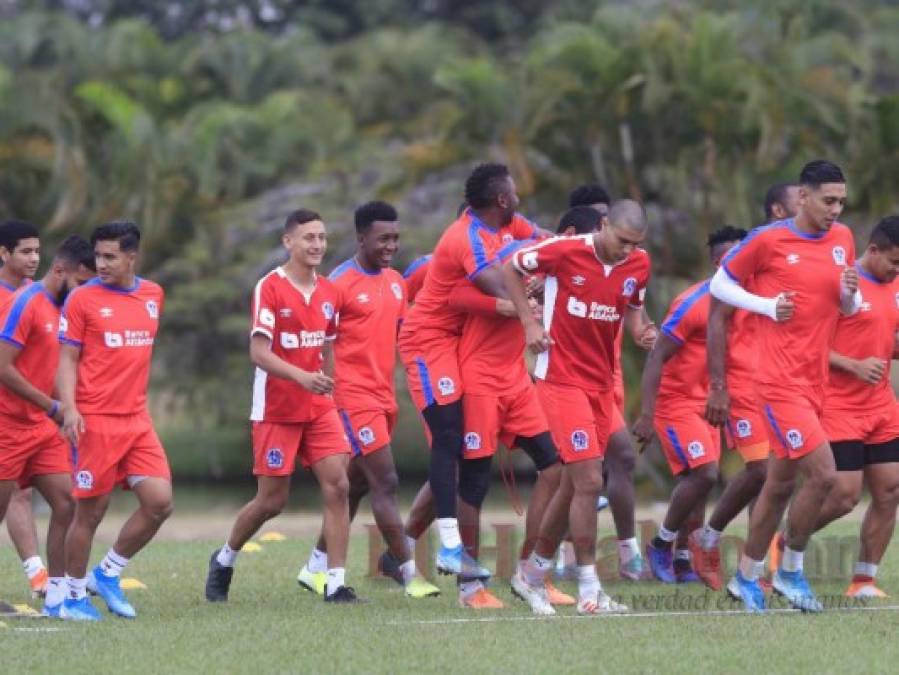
{"x":778,"y":257}
{"x":685,"y":380}
{"x":115,"y":329}
{"x":297,"y":326}
{"x":584,"y":304}
{"x":29,"y":319}
{"x":869,"y":332}
{"x":414,"y":276}
{"x":371,"y":306}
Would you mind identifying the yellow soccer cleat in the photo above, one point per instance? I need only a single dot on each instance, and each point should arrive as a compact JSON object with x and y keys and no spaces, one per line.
{"x":314,"y":582}
{"x":421,"y":588}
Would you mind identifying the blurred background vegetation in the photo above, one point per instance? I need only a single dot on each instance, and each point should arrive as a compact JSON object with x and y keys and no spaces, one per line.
{"x":206,"y":121}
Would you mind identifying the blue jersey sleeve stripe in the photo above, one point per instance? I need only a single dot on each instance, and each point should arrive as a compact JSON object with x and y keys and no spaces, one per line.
{"x":477,"y":246}
{"x":69,"y":341}
{"x":481,"y":268}
{"x":506,"y":251}
{"x":12,"y":341}
{"x":18,"y":307}
{"x":694,"y":297}
{"x":761,"y":229}
{"x":340,"y":270}
{"x":415,"y":264}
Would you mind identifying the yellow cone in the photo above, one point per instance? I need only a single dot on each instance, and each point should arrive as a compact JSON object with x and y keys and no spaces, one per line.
{"x":251,"y":547}
{"x":131,"y":584}
{"x":25,"y":610}
{"x":272,"y":536}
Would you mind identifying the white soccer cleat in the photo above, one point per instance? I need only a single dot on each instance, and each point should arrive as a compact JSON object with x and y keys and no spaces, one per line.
{"x":535,"y":596}
{"x":601,"y":604}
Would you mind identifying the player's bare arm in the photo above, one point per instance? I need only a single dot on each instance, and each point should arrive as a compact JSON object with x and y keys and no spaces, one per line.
{"x":12,"y":379}
{"x":642,"y":329}
{"x":536,"y":337}
{"x":665,"y":347}
{"x":66,"y":380}
{"x":261,"y":355}
{"x":850,"y":298}
{"x":718,"y":406}
{"x":491,"y":282}
{"x":870,"y":370}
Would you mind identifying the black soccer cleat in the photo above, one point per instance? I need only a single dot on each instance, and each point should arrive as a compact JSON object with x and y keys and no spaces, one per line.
{"x":389,"y":566}
{"x":344,"y":594}
{"x":218,"y":581}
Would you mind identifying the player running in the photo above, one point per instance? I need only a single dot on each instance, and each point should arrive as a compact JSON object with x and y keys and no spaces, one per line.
{"x":675,"y":388}
{"x":294,"y":320}
{"x":32,"y":451}
{"x":20,"y":255}
{"x":861,"y":415}
{"x":803,"y":278}
{"x":373,"y":303}
{"x":592,"y":281}
{"x":107,"y":332}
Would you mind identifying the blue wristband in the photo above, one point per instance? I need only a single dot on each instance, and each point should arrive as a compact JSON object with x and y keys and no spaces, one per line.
{"x":53,"y":410}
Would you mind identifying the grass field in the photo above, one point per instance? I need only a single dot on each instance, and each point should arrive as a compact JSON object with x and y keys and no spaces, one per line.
{"x":271,"y":626}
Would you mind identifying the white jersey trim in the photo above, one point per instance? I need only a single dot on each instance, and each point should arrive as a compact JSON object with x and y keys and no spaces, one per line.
{"x":259,"y":381}
{"x":550,"y":292}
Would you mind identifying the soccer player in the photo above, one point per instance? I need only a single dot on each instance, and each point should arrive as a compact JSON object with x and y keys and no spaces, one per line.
{"x":373,"y":303}
{"x":592,"y":281}
{"x":294,"y":320}
{"x":781,"y":202}
{"x":429,"y":338}
{"x":593,"y":195}
{"x":32,"y":451}
{"x":861,"y":415}
{"x":107,"y":332}
{"x":20,"y":255}
{"x":675,"y":388}
{"x":802,"y":274}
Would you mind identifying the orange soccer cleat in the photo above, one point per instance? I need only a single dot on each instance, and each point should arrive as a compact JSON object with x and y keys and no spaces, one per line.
{"x":557,"y":597}
{"x":38,"y":583}
{"x":481,"y":599}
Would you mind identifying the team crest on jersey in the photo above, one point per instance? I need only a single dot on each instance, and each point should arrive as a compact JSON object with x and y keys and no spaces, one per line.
{"x":792,"y":258}
{"x":472,"y":441}
{"x":106,"y":312}
{"x":266,"y":318}
{"x":274,"y":458}
{"x":328,"y":310}
{"x":580,"y":440}
{"x":839,"y":255}
{"x":446,"y":386}
{"x":695,"y":449}
{"x":48,"y":327}
{"x":397,"y":291}
{"x":578,"y":280}
{"x":630,"y":285}
{"x":366,"y":435}
{"x":84,"y":480}
{"x":794,"y":438}
{"x":362,"y":298}
{"x":744,"y":429}
{"x":152,"y":309}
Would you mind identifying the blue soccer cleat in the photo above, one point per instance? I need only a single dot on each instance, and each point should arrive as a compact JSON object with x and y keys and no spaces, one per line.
{"x":602,"y":502}
{"x":79,"y":610}
{"x":633,"y":569}
{"x":108,"y":588}
{"x":457,"y":561}
{"x":661,"y":562}
{"x":794,"y":587}
{"x":748,"y":592}
{"x":53,"y":611}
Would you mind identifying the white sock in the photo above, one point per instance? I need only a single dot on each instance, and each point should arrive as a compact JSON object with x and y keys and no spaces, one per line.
{"x":587,"y":582}
{"x":318,"y":561}
{"x":77,"y":587}
{"x":709,"y":538}
{"x":666,"y":535}
{"x":56,"y":591}
{"x":469,"y":588}
{"x":336,"y":577}
{"x":792,"y":560}
{"x":864,"y":569}
{"x":410,"y":542}
{"x":227,"y":556}
{"x":751,"y":569}
{"x":682,"y":554}
{"x":113,"y":564}
{"x":535,"y":569}
{"x":448,"y":529}
{"x":408,"y":571}
{"x":627,"y":550}
{"x":566,"y":554}
{"x":32,"y":566}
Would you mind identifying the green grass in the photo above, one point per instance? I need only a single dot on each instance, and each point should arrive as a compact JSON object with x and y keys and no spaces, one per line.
{"x":271,"y":626}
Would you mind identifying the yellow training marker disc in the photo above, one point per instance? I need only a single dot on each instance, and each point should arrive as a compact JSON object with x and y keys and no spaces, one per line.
{"x":272,"y":536}
{"x":131,"y":584}
{"x":250,"y":547}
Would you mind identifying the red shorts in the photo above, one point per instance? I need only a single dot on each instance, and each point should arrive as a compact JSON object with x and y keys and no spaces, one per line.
{"x":687,"y":439}
{"x":114,"y":447}
{"x":367,"y":430}
{"x":433,"y":378}
{"x":489,"y":417}
{"x":276,"y":445}
{"x":793,"y":420}
{"x":29,"y":450}
{"x":746,"y":430}
{"x":871,"y":427}
{"x":578,"y":419}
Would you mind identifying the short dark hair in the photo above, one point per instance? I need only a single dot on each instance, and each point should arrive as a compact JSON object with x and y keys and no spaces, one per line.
{"x":583,"y":219}
{"x":885,"y":234}
{"x":371,"y":211}
{"x":485,"y":184}
{"x":123,"y":231}
{"x":820,"y":171}
{"x":587,"y":194}
{"x":776,"y":194}
{"x":14,"y":231}
{"x":299,"y":217}
{"x":75,"y":251}
{"x":724,"y":235}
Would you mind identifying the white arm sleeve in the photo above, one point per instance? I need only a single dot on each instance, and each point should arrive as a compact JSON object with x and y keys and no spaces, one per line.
{"x":727,"y":290}
{"x":850,"y":303}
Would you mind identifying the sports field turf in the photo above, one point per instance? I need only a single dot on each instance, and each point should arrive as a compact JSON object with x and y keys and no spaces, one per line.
{"x":271,"y":626}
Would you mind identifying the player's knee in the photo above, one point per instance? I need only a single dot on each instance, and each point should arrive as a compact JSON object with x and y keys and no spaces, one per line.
{"x":387,"y":484}
{"x":623,"y":460}
{"x":337,"y":489}
{"x":159,"y":510}
{"x":588,"y":484}
{"x":705,"y":476}
{"x":846,"y":500}
{"x":823,"y":481}
{"x":62,"y":508}
{"x":756,"y":473}
{"x":474,"y":481}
